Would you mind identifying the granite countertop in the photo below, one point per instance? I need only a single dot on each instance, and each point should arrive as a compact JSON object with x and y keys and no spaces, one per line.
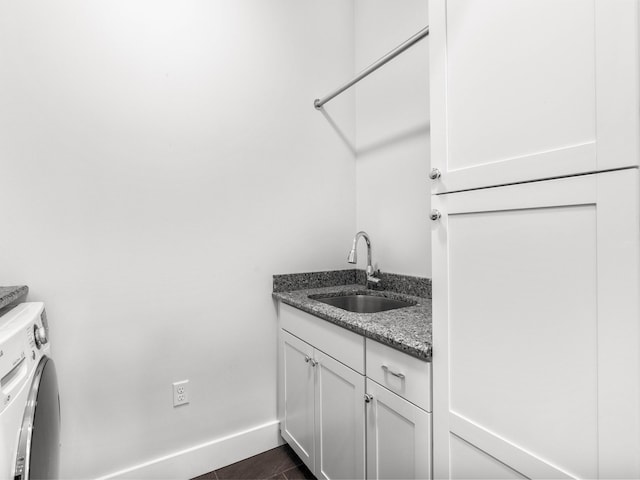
{"x":10,"y":295}
{"x":407,"y":329}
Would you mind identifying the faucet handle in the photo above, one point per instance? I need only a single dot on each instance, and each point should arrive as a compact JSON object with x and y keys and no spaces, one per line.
{"x":373,"y":277}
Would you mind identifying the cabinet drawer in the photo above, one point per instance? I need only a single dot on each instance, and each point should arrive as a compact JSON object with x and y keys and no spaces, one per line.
{"x":340,"y":343}
{"x":403,"y":374}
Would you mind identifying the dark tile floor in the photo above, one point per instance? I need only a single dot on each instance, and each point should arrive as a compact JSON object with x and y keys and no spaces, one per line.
{"x":280,"y":463}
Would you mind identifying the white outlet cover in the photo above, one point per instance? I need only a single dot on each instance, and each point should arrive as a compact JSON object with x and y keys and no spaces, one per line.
{"x":180,"y":393}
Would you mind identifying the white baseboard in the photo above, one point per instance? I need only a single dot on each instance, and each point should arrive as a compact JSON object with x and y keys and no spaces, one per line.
{"x":205,"y":457}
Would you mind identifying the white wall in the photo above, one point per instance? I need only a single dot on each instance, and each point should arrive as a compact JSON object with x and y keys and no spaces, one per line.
{"x":160,"y":160}
{"x":392,"y":136}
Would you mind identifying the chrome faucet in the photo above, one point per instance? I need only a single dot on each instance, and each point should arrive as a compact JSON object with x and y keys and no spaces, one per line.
{"x":353,"y":257}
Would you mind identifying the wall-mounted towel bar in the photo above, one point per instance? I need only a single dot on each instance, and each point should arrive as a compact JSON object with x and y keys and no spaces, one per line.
{"x":319,"y":102}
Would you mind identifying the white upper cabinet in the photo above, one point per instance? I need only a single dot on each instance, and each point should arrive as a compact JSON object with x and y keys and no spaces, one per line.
{"x":532,"y":89}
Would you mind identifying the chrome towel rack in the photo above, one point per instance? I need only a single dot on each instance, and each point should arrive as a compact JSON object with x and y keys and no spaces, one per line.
{"x":319,"y":102}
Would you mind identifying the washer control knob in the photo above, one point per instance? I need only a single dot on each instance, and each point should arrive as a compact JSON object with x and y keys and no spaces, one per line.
{"x":40,"y":336}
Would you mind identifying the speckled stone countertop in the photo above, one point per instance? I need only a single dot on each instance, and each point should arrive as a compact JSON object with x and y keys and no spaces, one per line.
{"x":407,"y":329}
{"x":9,"y":295}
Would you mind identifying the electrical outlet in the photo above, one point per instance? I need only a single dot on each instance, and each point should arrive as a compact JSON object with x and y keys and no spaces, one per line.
{"x":180,"y":393}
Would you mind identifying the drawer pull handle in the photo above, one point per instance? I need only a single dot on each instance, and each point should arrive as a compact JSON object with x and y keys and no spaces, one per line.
{"x":307,"y":358}
{"x":395,"y":374}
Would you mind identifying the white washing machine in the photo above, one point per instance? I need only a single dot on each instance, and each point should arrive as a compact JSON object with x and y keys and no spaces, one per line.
{"x":29,"y":401}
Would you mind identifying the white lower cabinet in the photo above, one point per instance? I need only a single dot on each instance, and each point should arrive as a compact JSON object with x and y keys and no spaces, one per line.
{"x":298,"y":391}
{"x":323,"y":417}
{"x":340,"y":430}
{"x":335,"y":425}
{"x":398,"y":436}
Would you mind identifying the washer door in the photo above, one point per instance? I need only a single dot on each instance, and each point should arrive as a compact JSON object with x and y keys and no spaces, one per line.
{"x":39,"y":446}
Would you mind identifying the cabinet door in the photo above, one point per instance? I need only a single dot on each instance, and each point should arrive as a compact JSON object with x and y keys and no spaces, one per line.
{"x":535,"y":328}
{"x":297,"y":396}
{"x":531,"y":89}
{"x":398,"y":437}
{"x":340,"y":435}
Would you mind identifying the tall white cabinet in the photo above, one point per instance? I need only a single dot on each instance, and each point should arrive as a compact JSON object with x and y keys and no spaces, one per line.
{"x":536,"y":238}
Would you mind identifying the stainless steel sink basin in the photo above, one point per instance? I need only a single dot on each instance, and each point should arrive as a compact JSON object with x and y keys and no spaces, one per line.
{"x":362,"y":303}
